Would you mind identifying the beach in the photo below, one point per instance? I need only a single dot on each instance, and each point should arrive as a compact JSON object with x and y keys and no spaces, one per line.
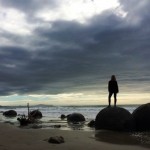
{"x":15,"y":138}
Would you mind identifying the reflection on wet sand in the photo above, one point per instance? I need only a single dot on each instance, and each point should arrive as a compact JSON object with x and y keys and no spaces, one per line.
{"x":124,"y":138}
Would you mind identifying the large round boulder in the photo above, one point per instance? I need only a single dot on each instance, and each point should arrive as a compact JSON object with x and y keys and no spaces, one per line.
{"x":114,"y":118}
{"x":75,"y":117}
{"x":141,"y":117}
{"x":10,"y":113}
{"x":36,"y":114}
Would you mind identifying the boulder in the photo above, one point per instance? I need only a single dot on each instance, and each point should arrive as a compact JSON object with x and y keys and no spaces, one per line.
{"x":75,"y":117}
{"x":56,"y":140}
{"x":57,"y":126}
{"x":23,"y":121}
{"x":62,"y":116}
{"x":141,"y":117}
{"x":114,"y":118}
{"x":91,"y":124}
{"x":10,"y":113}
{"x":36,"y":114}
{"x":35,"y":126}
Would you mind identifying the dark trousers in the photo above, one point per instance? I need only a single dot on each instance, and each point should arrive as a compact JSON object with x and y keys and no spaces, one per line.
{"x":115,"y":98}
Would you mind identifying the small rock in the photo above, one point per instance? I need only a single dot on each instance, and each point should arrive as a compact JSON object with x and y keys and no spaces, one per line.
{"x":57,"y":126}
{"x":91,"y":123}
{"x":23,"y":121}
{"x":56,"y":140}
{"x":62,"y":116}
{"x":35,"y":126}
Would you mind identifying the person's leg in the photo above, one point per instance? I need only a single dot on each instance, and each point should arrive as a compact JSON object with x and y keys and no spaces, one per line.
{"x":109,"y":98}
{"x":115,"y":99}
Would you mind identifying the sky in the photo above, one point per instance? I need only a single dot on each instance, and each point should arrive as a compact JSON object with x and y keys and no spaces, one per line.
{"x":63,"y":52}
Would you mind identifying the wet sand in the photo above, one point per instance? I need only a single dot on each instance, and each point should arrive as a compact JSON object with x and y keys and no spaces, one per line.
{"x":14,"y":138}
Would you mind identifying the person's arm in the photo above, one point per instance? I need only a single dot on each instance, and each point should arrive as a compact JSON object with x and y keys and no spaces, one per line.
{"x":109,"y":86}
{"x":117,"y":87}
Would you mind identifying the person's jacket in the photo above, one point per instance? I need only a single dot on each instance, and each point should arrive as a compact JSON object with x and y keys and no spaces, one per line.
{"x":113,"y":87}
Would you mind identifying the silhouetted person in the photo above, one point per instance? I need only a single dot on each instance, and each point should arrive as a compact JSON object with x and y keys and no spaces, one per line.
{"x":113,"y":89}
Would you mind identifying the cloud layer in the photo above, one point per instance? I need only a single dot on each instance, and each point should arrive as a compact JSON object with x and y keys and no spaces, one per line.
{"x":49,"y":57}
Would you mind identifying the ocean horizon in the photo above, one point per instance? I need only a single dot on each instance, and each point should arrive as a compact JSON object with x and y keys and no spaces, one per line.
{"x":49,"y":105}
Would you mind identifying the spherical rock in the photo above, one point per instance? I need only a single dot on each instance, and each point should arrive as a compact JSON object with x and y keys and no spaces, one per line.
{"x":75,"y":117}
{"x":62,"y":116}
{"x":141,"y":117}
{"x":56,"y":140}
{"x":91,"y":124}
{"x":114,"y":118}
{"x":35,"y":126}
{"x":35,"y":114}
{"x":10,"y":113}
{"x":57,"y":126}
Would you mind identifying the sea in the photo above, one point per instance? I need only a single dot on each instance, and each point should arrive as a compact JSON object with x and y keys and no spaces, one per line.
{"x":51,"y":115}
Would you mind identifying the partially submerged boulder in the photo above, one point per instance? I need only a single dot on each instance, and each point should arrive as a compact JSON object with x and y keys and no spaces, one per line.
{"x":10,"y":113}
{"x":36,"y":114}
{"x":114,"y":118}
{"x":141,"y":117}
{"x":62,"y":116}
{"x":75,"y":117}
{"x":91,"y":124}
{"x":23,"y":121}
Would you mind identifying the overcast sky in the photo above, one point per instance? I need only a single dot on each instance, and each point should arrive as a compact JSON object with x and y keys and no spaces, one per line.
{"x":64,"y":51}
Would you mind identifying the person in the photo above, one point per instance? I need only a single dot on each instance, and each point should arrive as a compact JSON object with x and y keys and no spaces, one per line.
{"x":112,"y":89}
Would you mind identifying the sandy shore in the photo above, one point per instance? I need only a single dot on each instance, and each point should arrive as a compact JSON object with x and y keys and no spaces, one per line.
{"x":13,"y":138}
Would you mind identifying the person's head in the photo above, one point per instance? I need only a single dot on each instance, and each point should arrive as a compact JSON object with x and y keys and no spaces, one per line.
{"x":113,"y":78}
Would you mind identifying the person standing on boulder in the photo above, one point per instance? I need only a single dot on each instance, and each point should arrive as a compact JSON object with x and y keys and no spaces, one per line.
{"x":112,"y":89}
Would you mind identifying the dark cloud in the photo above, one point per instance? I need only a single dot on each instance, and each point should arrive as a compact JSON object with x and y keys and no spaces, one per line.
{"x":67,"y":56}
